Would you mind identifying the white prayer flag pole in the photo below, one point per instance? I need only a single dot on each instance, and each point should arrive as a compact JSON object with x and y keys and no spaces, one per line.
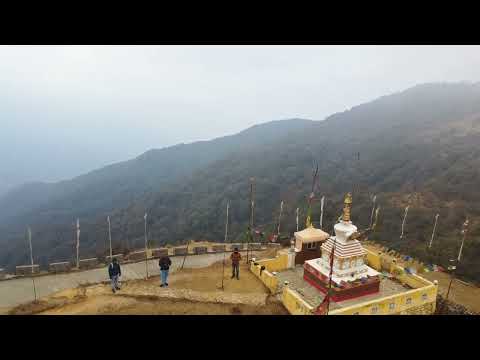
{"x":78,"y":243}
{"x":403,"y":222}
{"x":31,"y":260}
{"x":110,"y":237}
{"x":373,"y":209}
{"x":297,"y":217}
{"x":433,"y":232}
{"x":146,"y":245}
{"x":464,"y":233}
{"x":280,"y":218}
{"x":322,"y":202}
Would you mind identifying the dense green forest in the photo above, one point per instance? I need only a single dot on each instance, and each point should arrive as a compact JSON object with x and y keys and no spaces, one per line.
{"x":419,"y":147}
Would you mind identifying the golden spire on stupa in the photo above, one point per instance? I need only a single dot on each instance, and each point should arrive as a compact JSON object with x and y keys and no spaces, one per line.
{"x":347,"y":206}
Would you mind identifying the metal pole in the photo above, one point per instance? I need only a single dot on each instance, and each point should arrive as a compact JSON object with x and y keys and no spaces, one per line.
{"x":31,"y":262}
{"x":146,"y":246}
{"x":433,"y":232}
{"x":373,"y":210}
{"x":110,"y":237}
{"x":225,"y":244}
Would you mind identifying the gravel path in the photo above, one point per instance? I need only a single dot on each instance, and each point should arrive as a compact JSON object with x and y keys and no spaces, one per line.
{"x":17,"y":291}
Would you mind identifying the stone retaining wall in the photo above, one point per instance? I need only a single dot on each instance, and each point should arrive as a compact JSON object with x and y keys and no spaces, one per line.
{"x":60,"y":267}
{"x":218,"y":248}
{"x":119,"y":258}
{"x":27,"y":269}
{"x":180,"y":250}
{"x":157,"y":253}
{"x":137,"y":255}
{"x":88,"y":263}
{"x":200,"y":250}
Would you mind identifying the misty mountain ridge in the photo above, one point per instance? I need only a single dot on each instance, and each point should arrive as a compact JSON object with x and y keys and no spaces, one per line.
{"x":418,"y":147}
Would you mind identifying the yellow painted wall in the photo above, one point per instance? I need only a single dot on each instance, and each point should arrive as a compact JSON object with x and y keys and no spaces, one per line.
{"x":417,"y":301}
{"x":374,"y":260}
{"x":270,"y":280}
{"x":294,"y":303}
{"x":277,"y":264}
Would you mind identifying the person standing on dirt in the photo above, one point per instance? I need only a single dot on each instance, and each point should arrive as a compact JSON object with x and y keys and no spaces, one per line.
{"x":236,"y":257}
{"x":114,"y":272}
{"x":164,"y":264}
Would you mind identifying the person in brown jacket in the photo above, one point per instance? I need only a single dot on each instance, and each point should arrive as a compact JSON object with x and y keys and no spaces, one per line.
{"x":236,"y":257}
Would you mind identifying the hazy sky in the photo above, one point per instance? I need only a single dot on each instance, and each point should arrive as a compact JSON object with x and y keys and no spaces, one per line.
{"x":66,"y":110}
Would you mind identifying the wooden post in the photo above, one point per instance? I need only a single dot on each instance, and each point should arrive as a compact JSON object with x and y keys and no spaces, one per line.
{"x":280,"y":218}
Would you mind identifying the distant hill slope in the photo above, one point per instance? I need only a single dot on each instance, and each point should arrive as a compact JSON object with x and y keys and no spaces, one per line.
{"x":417,"y":147}
{"x":119,"y":184}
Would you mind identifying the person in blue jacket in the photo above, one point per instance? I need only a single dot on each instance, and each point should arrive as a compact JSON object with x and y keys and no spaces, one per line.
{"x":114,"y":272}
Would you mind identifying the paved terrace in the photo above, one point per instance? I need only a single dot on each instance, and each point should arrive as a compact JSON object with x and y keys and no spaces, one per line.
{"x":314,"y":297}
{"x":20,"y":290}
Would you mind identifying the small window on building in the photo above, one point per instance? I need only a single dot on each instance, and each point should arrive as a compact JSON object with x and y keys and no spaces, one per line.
{"x":409,"y":301}
{"x":424,"y":297}
{"x":374,"y":309}
{"x":391,"y":306}
{"x":311,"y":245}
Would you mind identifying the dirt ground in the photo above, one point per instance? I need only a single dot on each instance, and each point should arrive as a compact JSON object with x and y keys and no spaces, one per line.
{"x":190,"y":291}
{"x":461,"y":293}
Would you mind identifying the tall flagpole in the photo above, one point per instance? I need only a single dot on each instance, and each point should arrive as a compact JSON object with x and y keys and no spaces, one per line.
{"x":297,"y":217}
{"x":78,"y":243}
{"x":280,"y":218}
{"x":373,"y":209}
{"x":225,"y":243}
{"x":403,"y":222}
{"x":433,"y":232}
{"x":322,"y":202}
{"x":146,"y":246}
{"x":110,"y":237}
{"x":31,"y":261}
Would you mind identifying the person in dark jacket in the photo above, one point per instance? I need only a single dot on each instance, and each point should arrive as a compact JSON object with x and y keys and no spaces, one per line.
{"x":164,"y":264}
{"x":114,"y":272}
{"x":236,"y":257}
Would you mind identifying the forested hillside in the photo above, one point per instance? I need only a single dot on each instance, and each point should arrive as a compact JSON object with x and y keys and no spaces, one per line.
{"x":419,"y":147}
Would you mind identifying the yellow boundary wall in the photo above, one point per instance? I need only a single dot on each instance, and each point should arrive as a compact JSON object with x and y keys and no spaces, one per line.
{"x":294,"y":303}
{"x":279,"y":263}
{"x":420,"y":300}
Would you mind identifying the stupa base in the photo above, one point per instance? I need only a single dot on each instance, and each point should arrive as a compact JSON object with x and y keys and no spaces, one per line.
{"x":348,"y":291}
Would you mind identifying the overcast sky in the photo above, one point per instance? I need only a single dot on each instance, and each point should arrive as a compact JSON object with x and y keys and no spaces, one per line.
{"x":66,"y":110}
